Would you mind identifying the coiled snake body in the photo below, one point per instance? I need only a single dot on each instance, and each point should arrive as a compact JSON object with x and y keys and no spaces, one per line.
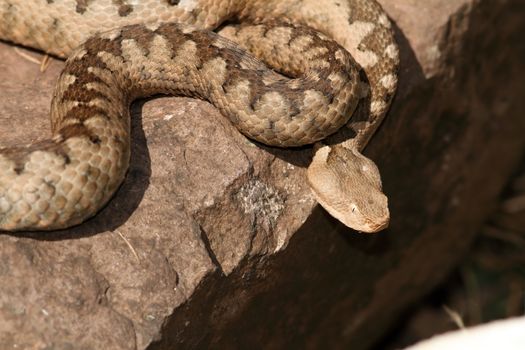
{"x":163,"y":46}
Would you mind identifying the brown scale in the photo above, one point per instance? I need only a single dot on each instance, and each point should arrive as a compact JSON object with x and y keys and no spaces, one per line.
{"x":60,"y":182}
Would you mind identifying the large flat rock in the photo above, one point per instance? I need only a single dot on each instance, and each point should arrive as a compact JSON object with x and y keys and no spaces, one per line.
{"x":214,"y":241}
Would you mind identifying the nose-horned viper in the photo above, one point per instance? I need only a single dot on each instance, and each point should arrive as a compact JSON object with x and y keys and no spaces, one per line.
{"x":166,"y":46}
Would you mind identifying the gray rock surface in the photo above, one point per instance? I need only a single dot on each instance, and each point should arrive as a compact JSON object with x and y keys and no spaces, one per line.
{"x":214,"y":241}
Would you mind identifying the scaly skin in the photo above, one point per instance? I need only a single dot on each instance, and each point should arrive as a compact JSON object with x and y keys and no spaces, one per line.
{"x":62,"y":181}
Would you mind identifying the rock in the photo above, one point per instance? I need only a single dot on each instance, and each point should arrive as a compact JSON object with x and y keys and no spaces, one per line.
{"x":214,"y":241}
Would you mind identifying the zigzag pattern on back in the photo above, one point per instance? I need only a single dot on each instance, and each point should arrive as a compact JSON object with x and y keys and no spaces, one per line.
{"x":62,"y":181}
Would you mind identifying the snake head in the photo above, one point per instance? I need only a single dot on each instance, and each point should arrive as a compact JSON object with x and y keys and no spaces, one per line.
{"x":348,"y":186}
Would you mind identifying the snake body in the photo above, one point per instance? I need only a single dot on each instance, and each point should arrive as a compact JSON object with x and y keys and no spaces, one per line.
{"x":165,"y":46}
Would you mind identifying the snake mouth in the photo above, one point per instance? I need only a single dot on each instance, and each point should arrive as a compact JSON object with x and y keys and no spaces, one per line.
{"x":362,"y":224}
{"x":353,"y":218}
{"x":376,"y":226}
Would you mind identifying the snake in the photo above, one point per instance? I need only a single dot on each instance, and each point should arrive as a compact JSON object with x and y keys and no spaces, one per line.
{"x":286,"y":73}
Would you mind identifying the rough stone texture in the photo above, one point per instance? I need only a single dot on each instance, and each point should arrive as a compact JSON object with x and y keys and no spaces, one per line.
{"x":199,"y":197}
{"x":206,"y":244}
